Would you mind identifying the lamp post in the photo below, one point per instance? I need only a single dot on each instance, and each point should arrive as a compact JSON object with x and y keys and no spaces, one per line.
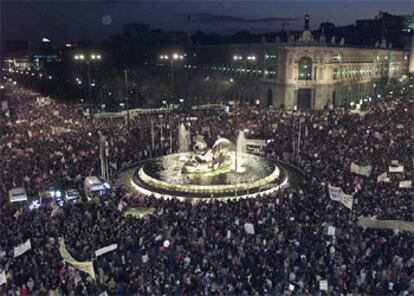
{"x":172,"y":59}
{"x":88,"y":59}
{"x":127,"y":98}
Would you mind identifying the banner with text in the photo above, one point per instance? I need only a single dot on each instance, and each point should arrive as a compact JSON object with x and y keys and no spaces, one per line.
{"x":383,"y":178}
{"x":396,"y":169}
{"x":361,"y":170}
{"x":3,"y":278}
{"x":106,"y":249}
{"x":86,"y":266}
{"x":22,"y":248}
{"x":386,"y":224}
{"x":337,"y":194}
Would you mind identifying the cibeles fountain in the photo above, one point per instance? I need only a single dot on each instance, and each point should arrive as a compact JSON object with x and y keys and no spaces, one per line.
{"x":222,"y":171}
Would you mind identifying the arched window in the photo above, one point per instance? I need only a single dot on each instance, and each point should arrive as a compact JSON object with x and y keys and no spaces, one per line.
{"x":305,"y":69}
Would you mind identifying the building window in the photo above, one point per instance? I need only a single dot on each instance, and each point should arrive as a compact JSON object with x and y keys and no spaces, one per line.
{"x":305,"y":69}
{"x":270,"y":72}
{"x":270,"y":56}
{"x":335,"y":74}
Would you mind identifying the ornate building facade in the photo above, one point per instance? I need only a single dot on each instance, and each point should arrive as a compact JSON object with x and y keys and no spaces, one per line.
{"x":308,"y":73}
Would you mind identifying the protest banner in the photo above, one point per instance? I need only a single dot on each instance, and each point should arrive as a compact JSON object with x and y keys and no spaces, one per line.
{"x":331,"y":230}
{"x":347,"y":200}
{"x":249,"y":228}
{"x":386,"y":224}
{"x":383,"y":178}
{"x":337,"y":194}
{"x":361,"y":170}
{"x":323,"y":285}
{"x":86,"y":266}
{"x":396,"y":169}
{"x":405,"y":184}
{"x":139,"y":212}
{"x":22,"y":248}
{"x":106,"y":249}
{"x":3,"y":278}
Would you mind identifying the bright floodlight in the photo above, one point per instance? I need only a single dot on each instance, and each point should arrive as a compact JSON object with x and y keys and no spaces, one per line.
{"x":98,"y":56}
{"x":175,"y":56}
{"x":93,"y":56}
{"x":76,"y":57}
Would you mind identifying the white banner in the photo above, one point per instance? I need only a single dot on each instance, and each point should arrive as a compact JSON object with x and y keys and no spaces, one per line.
{"x":331,"y":230}
{"x":337,"y":194}
{"x":249,"y":228}
{"x":386,"y":224}
{"x":347,"y":200}
{"x":323,"y":285}
{"x":405,"y":184}
{"x":22,"y":248}
{"x":86,"y":266}
{"x":106,"y":249}
{"x":361,"y":170}
{"x":3,"y":278}
{"x":397,"y":169}
{"x":383,"y":178}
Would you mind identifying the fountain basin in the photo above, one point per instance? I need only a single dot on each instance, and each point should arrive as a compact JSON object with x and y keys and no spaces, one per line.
{"x":163,"y":176}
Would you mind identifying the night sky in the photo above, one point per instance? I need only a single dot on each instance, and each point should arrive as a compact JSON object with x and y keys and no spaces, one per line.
{"x":63,"y":21}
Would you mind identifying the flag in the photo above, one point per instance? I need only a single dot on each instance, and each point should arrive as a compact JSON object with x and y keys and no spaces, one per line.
{"x":383,"y":178}
{"x":86,"y":266}
{"x":22,"y":248}
{"x":405,"y":184}
{"x":106,"y":249}
{"x":396,"y":169}
{"x":361,"y":170}
{"x":3,"y":278}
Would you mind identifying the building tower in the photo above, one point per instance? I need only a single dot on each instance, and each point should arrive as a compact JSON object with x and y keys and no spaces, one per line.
{"x":411,"y":60}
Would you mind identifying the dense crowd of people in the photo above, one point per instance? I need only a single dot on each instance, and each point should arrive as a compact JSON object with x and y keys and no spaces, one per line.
{"x":48,"y":144}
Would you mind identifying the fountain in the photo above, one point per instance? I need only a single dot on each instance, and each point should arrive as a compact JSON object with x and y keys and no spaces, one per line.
{"x":240,"y":148}
{"x":183,"y":139}
{"x":223,"y":171}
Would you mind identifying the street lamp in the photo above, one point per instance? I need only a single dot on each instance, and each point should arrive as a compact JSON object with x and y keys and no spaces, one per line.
{"x":87,"y":59}
{"x":172,"y":59}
